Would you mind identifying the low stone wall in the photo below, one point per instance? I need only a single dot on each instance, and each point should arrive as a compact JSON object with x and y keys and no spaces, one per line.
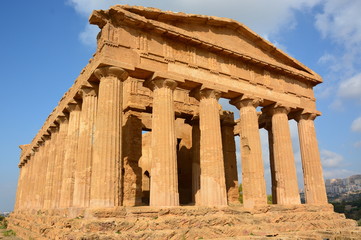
{"x":271,"y":222}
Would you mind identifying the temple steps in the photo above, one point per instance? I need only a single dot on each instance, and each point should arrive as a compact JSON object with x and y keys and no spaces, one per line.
{"x":187,"y":223}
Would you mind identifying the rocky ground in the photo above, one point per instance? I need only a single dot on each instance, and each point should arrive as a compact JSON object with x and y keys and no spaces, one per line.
{"x":272,"y":222}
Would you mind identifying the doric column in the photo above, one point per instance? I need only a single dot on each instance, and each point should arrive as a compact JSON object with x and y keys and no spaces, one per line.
{"x":71,"y":146}
{"x":132,"y":152}
{"x":40,"y":170}
{"x":268,"y":127}
{"x":48,"y":190}
{"x":83,"y":164}
{"x":20,"y":186}
{"x":229,"y":155}
{"x":253,"y":182}
{"x":213,"y":186}
{"x":59,"y":160}
{"x":29,"y":192}
{"x":106,"y":167}
{"x":314,"y":185}
{"x":284,"y":164}
{"x":196,"y":168}
{"x":164,"y":176}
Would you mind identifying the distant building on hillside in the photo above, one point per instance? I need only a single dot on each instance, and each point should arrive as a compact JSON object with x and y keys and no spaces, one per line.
{"x":338,"y":186}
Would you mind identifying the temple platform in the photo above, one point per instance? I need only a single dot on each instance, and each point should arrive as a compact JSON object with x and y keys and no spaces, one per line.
{"x":186,"y":222}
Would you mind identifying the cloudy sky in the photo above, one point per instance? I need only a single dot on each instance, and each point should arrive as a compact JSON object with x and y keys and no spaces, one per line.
{"x":45,"y":44}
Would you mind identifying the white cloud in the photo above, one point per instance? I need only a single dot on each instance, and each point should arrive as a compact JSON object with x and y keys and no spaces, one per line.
{"x":356,"y":125}
{"x":331,"y":159}
{"x":351,"y":88}
{"x":337,"y":173}
{"x":339,"y":21}
{"x":85,"y":7}
{"x":88,"y":35}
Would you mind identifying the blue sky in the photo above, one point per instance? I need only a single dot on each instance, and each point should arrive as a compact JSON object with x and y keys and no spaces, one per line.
{"x":46,"y":43}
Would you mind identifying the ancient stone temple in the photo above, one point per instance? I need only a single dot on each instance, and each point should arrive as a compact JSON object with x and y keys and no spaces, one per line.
{"x":140,"y":143}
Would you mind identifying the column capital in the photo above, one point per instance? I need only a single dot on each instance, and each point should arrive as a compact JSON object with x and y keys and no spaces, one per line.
{"x":205,"y":93}
{"x":52,"y":129}
{"x":276,"y":108}
{"x":86,"y":91}
{"x":61,"y":119}
{"x":227,"y":118}
{"x":132,"y":113}
{"x":157,"y":83}
{"x":111,"y":71}
{"x":73,"y":106}
{"x":246,"y":100}
{"x":305,"y":116}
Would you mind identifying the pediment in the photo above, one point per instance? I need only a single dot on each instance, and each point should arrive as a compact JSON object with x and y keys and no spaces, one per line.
{"x":220,"y":35}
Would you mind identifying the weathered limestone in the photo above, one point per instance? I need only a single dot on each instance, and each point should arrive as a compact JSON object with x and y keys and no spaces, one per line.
{"x":284,"y":164}
{"x":83,"y":163}
{"x":314,"y":185}
{"x":48,"y":193}
{"x":132,"y":152}
{"x":161,"y":138}
{"x":253,"y":182}
{"x":212,"y":180}
{"x":106,"y":167}
{"x":268,"y":127}
{"x":164,"y":180}
{"x":71,"y":147}
{"x":196,"y":168}
{"x":59,"y":159}
{"x":230,"y":159}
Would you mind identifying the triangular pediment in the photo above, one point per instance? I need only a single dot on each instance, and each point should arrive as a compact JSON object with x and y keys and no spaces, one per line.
{"x":221,"y":35}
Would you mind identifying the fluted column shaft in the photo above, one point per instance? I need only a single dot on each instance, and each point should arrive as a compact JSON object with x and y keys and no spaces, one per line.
{"x":314,"y":185}
{"x":59,"y":160}
{"x":285,"y":169}
{"x":18,"y":201}
{"x":106,"y":167}
{"x":230,"y":158}
{"x":196,"y":168}
{"x":213,"y":186}
{"x":82,"y":175}
{"x":272,"y":162}
{"x":49,"y":178}
{"x":253,"y":181}
{"x":164,"y":175}
{"x":71,"y":146}
{"x":132,"y":152}
{"x":29,"y":192}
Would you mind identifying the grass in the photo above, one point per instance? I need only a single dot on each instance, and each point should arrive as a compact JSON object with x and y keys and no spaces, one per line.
{"x":9,"y":233}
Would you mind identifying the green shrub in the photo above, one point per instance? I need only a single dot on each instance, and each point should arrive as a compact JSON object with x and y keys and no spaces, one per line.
{"x":359,"y":222}
{"x":3,"y":224}
{"x":9,"y":233}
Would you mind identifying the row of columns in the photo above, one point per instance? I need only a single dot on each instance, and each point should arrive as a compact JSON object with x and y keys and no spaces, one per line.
{"x":80,"y":159}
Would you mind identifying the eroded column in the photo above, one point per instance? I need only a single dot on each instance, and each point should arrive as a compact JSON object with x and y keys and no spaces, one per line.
{"x":284,"y":164}
{"x":132,"y":152}
{"x":253,"y":181}
{"x":82,"y":175}
{"x":213,"y":186}
{"x":314,"y":185}
{"x":164,"y":176}
{"x":71,"y":146}
{"x":268,"y":127}
{"x":49,"y":178}
{"x":196,"y":168}
{"x":106,"y":167}
{"x":59,"y":160}
{"x":230,"y":159}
